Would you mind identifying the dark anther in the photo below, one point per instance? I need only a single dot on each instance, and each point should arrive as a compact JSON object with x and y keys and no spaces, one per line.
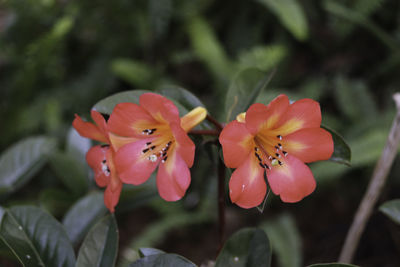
{"x":104,"y":161}
{"x":104,"y":145}
{"x":108,"y":170}
{"x":276,"y":154}
{"x":152,"y":147}
{"x":255,"y":149}
{"x":145,"y":150}
{"x":169,"y":143}
{"x":262,"y":165}
{"x":276,"y":147}
{"x":153,"y":130}
{"x":280,"y":163}
{"x":164,"y":154}
{"x":258,"y":156}
{"x":148,"y":143}
{"x":284,"y":153}
{"x":266,"y":166}
{"x":279,"y":137}
{"x":279,"y":144}
{"x":164,"y":159}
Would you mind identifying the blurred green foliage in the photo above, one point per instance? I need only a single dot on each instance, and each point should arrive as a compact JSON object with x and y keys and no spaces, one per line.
{"x":60,"y":57}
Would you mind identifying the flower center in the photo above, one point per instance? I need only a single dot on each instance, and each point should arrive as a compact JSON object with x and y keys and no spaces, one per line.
{"x":105,"y":168}
{"x":269,"y":151}
{"x":157,"y":148}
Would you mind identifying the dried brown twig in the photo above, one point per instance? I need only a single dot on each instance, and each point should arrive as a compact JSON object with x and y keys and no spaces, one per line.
{"x":374,"y":190}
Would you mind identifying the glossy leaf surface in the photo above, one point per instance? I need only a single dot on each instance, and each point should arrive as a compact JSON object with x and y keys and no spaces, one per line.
{"x":35,"y":237}
{"x":100,"y":247}
{"x":248,"y":247}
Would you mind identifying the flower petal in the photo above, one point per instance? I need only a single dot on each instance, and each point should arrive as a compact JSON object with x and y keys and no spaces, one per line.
{"x":119,"y":141}
{"x":309,"y":145}
{"x":173,"y":178}
{"x":193,"y":118}
{"x":96,"y":159}
{"x":160,"y":108}
{"x":100,"y":121}
{"x":184,"y":145}
{"x":292,"y":181}
{"x":259,"y":116}
{"x":111,"y":197}
{"x":134,"y":167}
{"x":247,"y":187}
{"x":89,"y":130}
{"x":113,"y":190}
{"x":129,"y":119}
{"x":304,"y":113}
{"x":237,"y":143}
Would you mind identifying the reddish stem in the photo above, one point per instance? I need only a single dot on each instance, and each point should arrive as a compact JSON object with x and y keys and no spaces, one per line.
{"x":215,"y":122}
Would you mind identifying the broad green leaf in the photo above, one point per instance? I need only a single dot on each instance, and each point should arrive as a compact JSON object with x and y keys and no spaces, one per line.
{"x":341,"y":152}
{"x":107,"y":104}
{"x":244,"y":90}
{"x":286,"y":240}
{"x":291,"y":15}
{"x":100,"y":247}
{"x":334,"y":264}
{"x":71,"y":173}
{"x":23,"y":160}
{"x":144,"y":252}
{"x":163,"y":259}
{"x":36,"y":238}
{"x":392,"y":210}
{"x":248,"y":247}
{"x":80,"y":217}
{"x":208,"y":48}
{"x":134,"y":72}
{"x":262,"y":57}
{"x":181,"y":95}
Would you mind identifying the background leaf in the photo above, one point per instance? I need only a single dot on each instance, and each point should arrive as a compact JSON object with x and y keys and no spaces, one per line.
{"x":144,"y":252}
{"x":23,"y":160}
{"x":36,"y":238}
{"x":107,"y":105}
{"x":83,"y":215}
{"x":392,"y":210}
{"x":342,"y":151}
{"x":248,"y":247}
{"x":100,"y":247}
{"x":286,"y":240}
{"x":291,"y":15}
{"x":163,"y":259}
{"x":244,"y":90}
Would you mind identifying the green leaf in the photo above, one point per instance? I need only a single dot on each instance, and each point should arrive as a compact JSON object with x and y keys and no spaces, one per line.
{"x":107,"y":105}
{"x":35,"y":237}
{"x":133,"y":72}
{"x":244,"y":90}
{"x":334,"y":264}
{"x":286,"y":240}
{"x":23,"y":160}
{"x":163,"y":259}
{"x":262,"y":57}
{"x":392,"y":210}
{"x":83,"y":215}
{"x":144,"y":252}
{"x":183,"y":96}
{"x":291,"y":15}
{"x":248,"y":247}
{"x":208,"y":48}
{"x":100,"y":247}
{"x":342,"y":151}
{"x":71,"y":173}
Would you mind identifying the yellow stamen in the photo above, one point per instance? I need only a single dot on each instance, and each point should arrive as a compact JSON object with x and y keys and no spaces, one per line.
{"x":193,"y":118}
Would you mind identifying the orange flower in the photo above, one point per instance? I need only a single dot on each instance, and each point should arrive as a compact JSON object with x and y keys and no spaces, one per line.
{"x":152,"y":134}
{"x":277,"y":139}
{"x":101,"y":157}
